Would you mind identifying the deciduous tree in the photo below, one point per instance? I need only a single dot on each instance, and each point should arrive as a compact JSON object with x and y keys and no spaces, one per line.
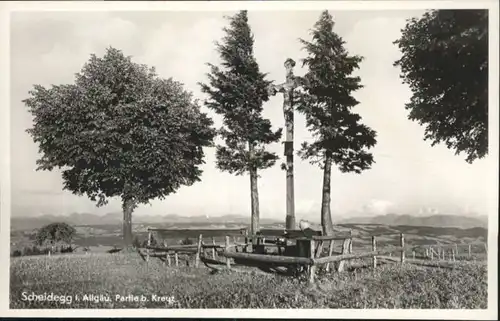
{"x":120,"y":131}
{"x":445,"y":62}
{"x":326,"y":101}
{"x":237,"y":91}
{"x":54,"y":233}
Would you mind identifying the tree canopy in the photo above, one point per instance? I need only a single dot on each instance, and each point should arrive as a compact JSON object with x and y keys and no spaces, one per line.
{"x":55,"y":233}
{"x":120,"y":130}
{"x":237,"y":91}
{"x":445,"y":63}
{"x":326,"y":101}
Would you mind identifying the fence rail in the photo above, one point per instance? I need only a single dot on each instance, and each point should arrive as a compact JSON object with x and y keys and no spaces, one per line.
{"x":311,"y":258}
{"x":205,"y":232}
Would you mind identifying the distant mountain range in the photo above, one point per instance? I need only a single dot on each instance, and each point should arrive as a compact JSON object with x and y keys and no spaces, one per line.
{"x":437,"y":220}
{"x":29,"y":223}
{"x":33,"y":222}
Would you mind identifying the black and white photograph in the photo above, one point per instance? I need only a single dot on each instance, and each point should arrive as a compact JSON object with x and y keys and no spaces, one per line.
{"x":304,"y":156}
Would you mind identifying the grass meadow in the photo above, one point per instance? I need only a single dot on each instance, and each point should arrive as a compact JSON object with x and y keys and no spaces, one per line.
{"x":124,"y":280}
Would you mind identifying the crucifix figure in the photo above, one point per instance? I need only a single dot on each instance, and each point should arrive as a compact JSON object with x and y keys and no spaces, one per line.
{"x":286,"y":89}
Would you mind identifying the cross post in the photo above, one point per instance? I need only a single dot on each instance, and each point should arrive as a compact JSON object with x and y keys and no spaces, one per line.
{"x":286,"y":88}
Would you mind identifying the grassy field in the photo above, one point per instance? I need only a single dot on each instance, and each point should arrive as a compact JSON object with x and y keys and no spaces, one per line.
{"x":155,"y":286}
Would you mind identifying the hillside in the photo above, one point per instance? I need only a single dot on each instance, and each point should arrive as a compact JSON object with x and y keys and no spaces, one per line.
{"x":438,"y":220}
{"x":30,"y":223}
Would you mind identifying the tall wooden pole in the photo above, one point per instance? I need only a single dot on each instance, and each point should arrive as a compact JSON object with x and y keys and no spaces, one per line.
{"x":287,"y":89}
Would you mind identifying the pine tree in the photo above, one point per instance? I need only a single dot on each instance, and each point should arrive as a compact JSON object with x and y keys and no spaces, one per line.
{"x":237,"y":91}
{"x":326,"y":102}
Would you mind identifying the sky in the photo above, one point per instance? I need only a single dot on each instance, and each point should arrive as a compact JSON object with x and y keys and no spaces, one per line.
{"x":409,"y":175}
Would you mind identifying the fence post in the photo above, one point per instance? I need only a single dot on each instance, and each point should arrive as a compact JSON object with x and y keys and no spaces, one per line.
{"x":453,"y":255}
{"x":148,"y":245}
{"x":402,"y":243}
{"x":345,"y":249}
{"x":312,"y":267}
{"x":330,"y":252}
{"x":198,"y":251}
{"x":456,"y":249}
{"x":374,"y":248}
{"x":470,"y":252}
{"x":432,"y":253}
{"x":228,"y":262}
{"x":350,"y":242}
{"x":213,"y":249}
{"x":168,"y":254}
{"x":176,"y":258}
{"x":486,"y":248}
{"x":245,"y":248}
{"x":319,"y":249}
{"x":413,"y":254}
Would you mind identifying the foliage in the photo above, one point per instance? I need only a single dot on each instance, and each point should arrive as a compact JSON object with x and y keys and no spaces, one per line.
{"x":42,"y":250}
{"x":389,"y":286}
{"x":137,"y":243}
{"x":120,"y":130}
{"x":326,"y":101}
{"x":187,"y":241}
{"x":67,"y":249}
{"x":55,"y":233}
{"x":445,"y":63}
{"x":236,"y":91}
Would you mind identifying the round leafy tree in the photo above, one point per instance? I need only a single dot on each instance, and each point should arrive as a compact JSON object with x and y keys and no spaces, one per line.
{"x":445,"y":62}
{"x":55,"y":233}
{"x":120,"y":131}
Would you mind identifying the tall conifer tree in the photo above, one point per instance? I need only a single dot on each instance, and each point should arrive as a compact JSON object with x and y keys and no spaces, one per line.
{"x":237,"y":90}
{"x":326,"y":101}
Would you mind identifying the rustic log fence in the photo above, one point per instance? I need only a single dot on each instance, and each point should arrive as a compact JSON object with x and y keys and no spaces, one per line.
{"x":190,"y":250}
{"x":450,"y":251}
{"x":294,"y":249}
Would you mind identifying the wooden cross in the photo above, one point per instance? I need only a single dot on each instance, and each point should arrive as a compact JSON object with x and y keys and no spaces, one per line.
{"x":286,"y":88}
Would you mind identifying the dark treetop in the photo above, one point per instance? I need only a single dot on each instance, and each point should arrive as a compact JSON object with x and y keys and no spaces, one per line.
{"x":237,"y":92}
{"x":120,"y":130}
{"x":326,"y":101}
{"x":445,"y":62}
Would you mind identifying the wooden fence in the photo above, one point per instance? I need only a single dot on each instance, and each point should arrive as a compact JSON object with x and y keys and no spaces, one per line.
{"x":309,"y":250}
{"x":175,"y":250}
{"x":450,"y":252}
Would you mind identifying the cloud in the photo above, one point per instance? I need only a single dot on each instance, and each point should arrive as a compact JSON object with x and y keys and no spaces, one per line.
{"x":378,"y":207}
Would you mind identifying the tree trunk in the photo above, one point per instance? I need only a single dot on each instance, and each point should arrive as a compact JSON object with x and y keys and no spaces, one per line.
{"x":254,"y":196}
{"x":326,"y":216}
{"x":128,"y":208}
{"x":255,"y":202}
